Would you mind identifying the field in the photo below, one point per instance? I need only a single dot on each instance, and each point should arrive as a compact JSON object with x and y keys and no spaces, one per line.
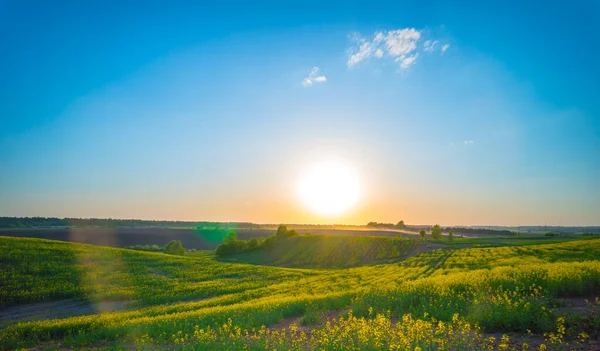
{"x":199,"y":239}
{"x":308,"y":293}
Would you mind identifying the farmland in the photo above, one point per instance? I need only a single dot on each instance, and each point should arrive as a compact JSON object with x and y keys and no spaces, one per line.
{"x":398,"y":293}
{"x":200,"y":239}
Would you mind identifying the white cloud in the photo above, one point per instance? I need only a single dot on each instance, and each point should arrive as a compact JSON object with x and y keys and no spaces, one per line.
{"x":402,"y":41}
{"x":405,"y":62}
{"x":313,"y":77}
{"x":429,"y":45}
{"x":363,"y":52}
{"x":401,"y":45}
{"x":445,"y":47}
{"x":468,"y":142}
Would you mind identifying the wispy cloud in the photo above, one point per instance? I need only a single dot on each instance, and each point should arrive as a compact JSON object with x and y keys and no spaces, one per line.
{"x":313,"y":77}
{"x":407,"y":61}
{"x":429,"y":45}
{"x":401,"y":45}
{"x":465,"y":142}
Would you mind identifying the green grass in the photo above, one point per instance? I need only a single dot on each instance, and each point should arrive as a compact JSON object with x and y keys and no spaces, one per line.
{"x":510,"y":240}
{"x":173,"y":298}
{"x":329,"y":251}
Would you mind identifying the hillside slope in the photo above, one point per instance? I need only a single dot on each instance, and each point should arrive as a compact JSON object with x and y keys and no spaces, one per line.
{"x":177,"y":299}
{"x":331,"y":251}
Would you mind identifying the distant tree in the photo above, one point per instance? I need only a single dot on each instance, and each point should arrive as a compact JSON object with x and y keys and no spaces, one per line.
{"x":422,"y":233}
{"x":230,"y":237}
{"x":436,"y":232}
{"x":281,"y":232}
{"x":401,"y":225}
{"x":450,"y":234}
{"x":252,"y":243}
{"x":174,"y":247}
{"x":224,"y":250}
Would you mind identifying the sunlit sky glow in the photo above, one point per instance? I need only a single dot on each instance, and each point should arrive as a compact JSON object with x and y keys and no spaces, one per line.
{"x":464,"y":114}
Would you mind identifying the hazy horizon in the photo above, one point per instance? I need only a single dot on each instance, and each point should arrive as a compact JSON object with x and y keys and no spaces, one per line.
{"x":471,"y":114}
{"x":408,"y":224}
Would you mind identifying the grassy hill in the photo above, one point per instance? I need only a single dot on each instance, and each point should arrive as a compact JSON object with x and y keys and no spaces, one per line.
{"x":198,"y":302}
{"x":330,"y":251}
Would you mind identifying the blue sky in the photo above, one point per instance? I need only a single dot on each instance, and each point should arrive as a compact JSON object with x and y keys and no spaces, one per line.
{"x":484,"y":113}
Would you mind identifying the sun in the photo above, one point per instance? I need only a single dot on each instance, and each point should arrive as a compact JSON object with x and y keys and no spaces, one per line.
{"x":329,"y":188}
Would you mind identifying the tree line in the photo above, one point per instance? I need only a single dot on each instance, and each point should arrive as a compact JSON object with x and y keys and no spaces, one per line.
{"x":399,"y":225}
{"x":462,"y":230}
{"x":37,"y":222}
{"x":231,"y":245}
{"x":174,"y":247}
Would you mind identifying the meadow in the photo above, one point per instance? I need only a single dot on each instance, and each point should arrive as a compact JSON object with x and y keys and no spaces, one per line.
{"x":336,"y":293}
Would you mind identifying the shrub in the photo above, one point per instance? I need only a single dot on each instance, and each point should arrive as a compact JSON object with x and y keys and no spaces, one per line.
{"x":174,"y":247}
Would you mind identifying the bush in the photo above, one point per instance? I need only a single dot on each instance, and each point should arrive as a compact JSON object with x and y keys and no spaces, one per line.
{"x":174,"y":247}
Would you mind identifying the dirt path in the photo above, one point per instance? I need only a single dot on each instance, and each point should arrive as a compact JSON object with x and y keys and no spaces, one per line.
{"x":56,"y":309}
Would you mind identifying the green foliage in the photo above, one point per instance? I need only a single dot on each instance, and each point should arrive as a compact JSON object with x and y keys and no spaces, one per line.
{"x":232,"y":246}
{"x":230,"y":237}
{"x":422,"y":233}
{"x":436,"y":232}
{"x":283,"y":232}
{"x":174,"y":247}
{"x":252,"y":243}
{"x":450,"y":234}
{"x":310,"y":318}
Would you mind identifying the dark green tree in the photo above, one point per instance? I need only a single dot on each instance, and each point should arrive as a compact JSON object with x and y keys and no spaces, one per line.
{"x":450,"y":234}
{"x":401,"y":225}
{"x":230,"y":237}
{"x":174,"y":247}
{"x":422,"y":233}
{"x":252,"y":243}
{"x":281,"y":232}
{"x":436,"y":232}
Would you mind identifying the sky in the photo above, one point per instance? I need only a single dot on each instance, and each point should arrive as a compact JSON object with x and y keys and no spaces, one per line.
{"x":461,"y":113}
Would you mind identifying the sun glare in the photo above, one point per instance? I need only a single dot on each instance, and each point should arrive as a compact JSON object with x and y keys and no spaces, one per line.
{"x":329,"y":188}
